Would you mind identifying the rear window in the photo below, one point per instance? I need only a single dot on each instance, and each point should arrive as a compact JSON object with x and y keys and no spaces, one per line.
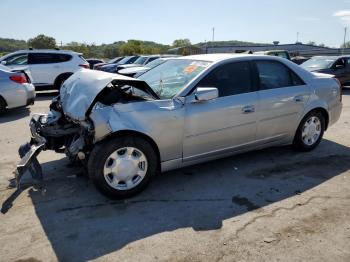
{"x":84,"y":58}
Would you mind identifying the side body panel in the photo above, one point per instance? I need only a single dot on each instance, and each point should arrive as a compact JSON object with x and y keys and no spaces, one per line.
{"x":279,"y":111}
{"x":217,"y":125}
{"x":161,"y":120}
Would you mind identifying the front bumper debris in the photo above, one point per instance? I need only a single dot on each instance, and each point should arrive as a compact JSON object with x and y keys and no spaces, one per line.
{"x":28,"y":153}
{"x":29,"y":162}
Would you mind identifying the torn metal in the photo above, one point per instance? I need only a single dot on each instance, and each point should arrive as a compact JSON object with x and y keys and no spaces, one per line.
{"x":75,"y":121}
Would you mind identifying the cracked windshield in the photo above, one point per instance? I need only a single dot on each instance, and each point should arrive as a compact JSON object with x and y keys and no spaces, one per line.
{"x":170,"y":77}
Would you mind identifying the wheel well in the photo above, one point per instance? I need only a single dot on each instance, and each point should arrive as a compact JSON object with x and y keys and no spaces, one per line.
{"x":62,"y":76}
{"x":139,"y":134}
{"x":324,"y":113}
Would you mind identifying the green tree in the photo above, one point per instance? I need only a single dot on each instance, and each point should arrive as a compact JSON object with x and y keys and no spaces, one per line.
{"x":78,"y":47}
{"x":42,"y":42}
{"x":181,"y":42}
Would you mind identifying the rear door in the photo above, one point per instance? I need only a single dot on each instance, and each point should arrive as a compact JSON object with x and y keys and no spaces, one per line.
{"x":282,"y":98}
{"x":227,"y":123}
{"x":44,"y":68}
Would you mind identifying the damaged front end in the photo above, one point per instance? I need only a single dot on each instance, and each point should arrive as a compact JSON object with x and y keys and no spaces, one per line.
{"x":53,"y":131}
{"x":68,"y":127}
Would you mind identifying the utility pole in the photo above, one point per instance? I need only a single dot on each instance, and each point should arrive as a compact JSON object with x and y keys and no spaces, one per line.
{"x":345,"y":29}
{"x":297,"y":37}
{"x":213,"y":34}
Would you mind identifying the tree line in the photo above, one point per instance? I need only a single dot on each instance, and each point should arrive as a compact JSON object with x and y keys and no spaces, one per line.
{"x":120,"y":48}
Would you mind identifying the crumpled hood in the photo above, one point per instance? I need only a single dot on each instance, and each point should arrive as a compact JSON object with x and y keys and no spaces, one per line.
{"x":80,"y":90}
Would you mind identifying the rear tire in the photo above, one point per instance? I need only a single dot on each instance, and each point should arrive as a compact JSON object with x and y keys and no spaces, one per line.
{"x":123,"y":166}
{"x":310,"y":131}
{"x":2,"y":106}
{"x":60,"y":79}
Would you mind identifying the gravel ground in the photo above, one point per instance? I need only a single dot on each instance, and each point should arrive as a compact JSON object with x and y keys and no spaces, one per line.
{"x":269,"y":205}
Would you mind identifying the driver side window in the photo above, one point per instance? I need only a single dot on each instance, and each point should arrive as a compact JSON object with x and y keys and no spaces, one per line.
{"x":340,"y":63}
{"x":230,"y":79}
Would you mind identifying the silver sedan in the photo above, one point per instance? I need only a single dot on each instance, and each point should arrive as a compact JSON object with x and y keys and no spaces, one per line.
{"x":185,"y":111}
{"x":16,"y":89}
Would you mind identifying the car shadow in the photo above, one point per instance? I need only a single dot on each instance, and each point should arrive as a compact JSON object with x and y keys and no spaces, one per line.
{"x":75,"y":216}
{"x":14,"y":114}
{"x":46,"y":95}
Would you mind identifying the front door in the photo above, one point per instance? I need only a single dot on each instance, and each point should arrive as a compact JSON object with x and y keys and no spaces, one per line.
{"x":226,"y":123}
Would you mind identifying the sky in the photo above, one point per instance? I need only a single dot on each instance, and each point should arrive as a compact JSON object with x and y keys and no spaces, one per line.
{"x":108,"y":21}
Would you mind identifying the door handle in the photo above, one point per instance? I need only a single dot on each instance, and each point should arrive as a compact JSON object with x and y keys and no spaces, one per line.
{"x":248,"y":109}
{"x":298,"y":98}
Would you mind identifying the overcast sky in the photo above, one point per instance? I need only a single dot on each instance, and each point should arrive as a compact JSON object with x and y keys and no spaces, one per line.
{"x":107,"y":21}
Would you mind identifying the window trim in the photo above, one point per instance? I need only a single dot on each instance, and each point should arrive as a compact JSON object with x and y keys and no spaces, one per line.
{"x":290,"y":71}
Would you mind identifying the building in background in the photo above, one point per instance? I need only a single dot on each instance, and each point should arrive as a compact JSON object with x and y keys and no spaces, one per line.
{"x":297,"y":49}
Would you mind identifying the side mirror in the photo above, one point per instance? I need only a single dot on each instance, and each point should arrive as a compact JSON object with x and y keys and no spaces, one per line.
{"x":3,"y":62}
{"x":206,"y":93}
{"x":339,"y":66}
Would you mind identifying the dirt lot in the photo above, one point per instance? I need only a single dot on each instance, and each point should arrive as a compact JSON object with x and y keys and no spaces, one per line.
{"x":271,"y":205}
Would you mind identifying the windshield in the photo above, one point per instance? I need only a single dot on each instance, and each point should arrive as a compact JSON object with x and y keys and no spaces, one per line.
{"x":156,"y":62}
{"x":114,"y":60}
{"x":170,"y":77}
{"x":319,"y":62}
{"x":125,"y":60}
{"x":141,"y":60}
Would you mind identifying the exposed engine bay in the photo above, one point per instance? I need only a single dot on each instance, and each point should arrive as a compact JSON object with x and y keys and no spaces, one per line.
{"x":61,"y":132}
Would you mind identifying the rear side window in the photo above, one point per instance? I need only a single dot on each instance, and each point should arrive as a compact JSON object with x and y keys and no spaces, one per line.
{"x":20,"y":59}
{"x":48,"y":58}
{"x":274,"y":74}
{"x":229,"y":79}
{"x":63,"y":57}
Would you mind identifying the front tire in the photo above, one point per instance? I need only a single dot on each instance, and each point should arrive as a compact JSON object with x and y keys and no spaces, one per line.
{"x":122,"y":167}
{"x":310,"y":131}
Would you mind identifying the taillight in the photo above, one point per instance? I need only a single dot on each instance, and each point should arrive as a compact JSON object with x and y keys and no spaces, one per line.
{"x":20,"y":79}
{"x":85,"y":66}
{"x":340,"y":89}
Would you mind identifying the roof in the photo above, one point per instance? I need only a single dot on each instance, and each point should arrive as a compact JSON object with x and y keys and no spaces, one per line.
{"x":214,"y":57}
{"x":46,"y":51}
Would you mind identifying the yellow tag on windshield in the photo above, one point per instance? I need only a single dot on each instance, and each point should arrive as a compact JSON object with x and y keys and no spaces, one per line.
{"x":190,"y":69}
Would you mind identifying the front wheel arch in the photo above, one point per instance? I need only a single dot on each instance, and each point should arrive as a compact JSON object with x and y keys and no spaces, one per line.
{"x":125,"y":133}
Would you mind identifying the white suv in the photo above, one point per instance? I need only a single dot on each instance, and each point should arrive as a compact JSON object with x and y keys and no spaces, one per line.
{"x":48,"y":68}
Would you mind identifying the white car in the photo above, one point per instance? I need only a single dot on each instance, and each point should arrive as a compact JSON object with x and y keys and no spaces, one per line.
{"x":48,"y":68}
{"x":16,"y":89}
